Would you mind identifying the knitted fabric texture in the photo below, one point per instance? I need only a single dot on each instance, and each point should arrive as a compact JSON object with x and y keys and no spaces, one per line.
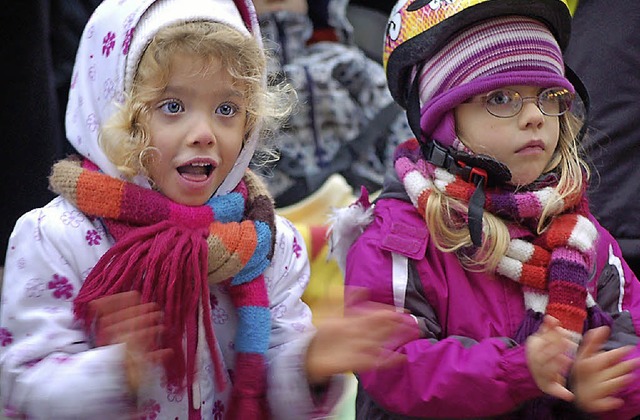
{"x":161,"y":12}
{"x":166,"y":251}
{"x":498,"y":52}
{"x":553,"y":268}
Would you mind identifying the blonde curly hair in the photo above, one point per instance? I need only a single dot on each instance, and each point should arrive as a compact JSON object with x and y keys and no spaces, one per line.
{"x":125,"y":137}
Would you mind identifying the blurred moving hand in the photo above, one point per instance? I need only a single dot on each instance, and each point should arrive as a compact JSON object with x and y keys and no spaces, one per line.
{"x":597,"y":375}
{"x":364,"y":337}
{"x":121,"y":318}
{"x":549,"y":357}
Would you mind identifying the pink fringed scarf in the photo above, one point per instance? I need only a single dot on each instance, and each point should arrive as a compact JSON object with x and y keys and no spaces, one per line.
{"x":170,"y":253}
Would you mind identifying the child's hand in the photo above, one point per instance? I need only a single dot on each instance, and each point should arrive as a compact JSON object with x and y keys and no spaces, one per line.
{"x":121,"y":318}
{"x":598,"y":375}
{"x":363,"y":339}
{"x":548,"y":358}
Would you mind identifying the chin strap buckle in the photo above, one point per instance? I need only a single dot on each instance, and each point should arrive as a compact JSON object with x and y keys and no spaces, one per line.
{"x":474,"y":174}
{"x":478,"y":177}
{"x":439,"y":156}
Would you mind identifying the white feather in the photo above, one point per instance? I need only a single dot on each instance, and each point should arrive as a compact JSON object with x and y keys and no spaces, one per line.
{"x":345,"y":226}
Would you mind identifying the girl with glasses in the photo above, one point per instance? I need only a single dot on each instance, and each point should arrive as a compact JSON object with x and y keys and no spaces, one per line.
{"x":522,"y":302}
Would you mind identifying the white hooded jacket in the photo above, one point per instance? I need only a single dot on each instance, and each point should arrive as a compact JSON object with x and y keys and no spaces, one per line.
{"x":49,"y":369}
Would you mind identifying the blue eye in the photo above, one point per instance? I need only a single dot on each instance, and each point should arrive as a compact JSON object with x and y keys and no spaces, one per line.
{"x":500,"y":97}
{"x":227,"y":110}
{"x":172,"y":107}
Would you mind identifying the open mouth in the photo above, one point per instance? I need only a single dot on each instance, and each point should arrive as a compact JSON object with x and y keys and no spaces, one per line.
{"x":198,"y":171}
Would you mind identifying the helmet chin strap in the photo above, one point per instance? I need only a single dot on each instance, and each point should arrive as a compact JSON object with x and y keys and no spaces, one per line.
{"x":481,"y":170}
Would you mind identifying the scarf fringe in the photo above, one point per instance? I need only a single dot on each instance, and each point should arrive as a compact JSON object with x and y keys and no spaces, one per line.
{"x":530,"y":324}
{"x":171,"y":252}
{"x":596,"y":317}
{"x":132,"y":266}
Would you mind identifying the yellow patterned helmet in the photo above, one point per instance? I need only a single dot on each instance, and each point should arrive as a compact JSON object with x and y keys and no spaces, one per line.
{"x":417,"y":29}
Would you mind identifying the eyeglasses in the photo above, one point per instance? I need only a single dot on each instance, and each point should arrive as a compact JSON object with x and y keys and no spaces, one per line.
{"x":506,"y":103}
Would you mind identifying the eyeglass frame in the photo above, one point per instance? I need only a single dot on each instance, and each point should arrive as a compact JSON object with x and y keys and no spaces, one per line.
{"x":483,"y":99}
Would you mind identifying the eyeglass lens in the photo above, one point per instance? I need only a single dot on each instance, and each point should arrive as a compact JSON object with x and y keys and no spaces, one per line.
{"x":506,"y":103}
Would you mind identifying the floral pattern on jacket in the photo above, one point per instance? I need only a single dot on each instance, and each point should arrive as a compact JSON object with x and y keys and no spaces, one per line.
{"x":46,"y":358}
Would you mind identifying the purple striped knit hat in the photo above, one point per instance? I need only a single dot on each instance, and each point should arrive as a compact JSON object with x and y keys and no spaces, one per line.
{"x":511,"y":50}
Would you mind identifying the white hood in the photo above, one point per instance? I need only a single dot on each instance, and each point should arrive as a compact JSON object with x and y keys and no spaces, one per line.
{"x":110,"y":48}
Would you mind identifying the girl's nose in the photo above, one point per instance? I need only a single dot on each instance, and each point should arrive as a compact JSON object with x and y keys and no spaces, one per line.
{"x":530,"y":115}
{"x":202,"y":133}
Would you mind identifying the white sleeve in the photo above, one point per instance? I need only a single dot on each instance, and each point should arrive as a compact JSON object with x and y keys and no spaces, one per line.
{"x":289,"y":393}
{"x":48,"y":370}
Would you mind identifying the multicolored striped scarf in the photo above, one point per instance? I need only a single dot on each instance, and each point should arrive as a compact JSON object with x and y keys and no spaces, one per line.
{"x":553,"y":267}
{"x":170,"y":253}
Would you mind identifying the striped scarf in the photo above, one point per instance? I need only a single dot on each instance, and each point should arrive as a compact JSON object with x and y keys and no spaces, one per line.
{"x":170,"y":253}
{"x":553,"y":267}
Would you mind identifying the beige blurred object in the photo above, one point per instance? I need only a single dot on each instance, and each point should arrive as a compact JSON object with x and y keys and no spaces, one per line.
{"x":315,"y":209}
{"x":267,"y":6}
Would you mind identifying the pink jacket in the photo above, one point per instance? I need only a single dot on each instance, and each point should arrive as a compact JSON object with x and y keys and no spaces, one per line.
{"x":466,"y":364}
